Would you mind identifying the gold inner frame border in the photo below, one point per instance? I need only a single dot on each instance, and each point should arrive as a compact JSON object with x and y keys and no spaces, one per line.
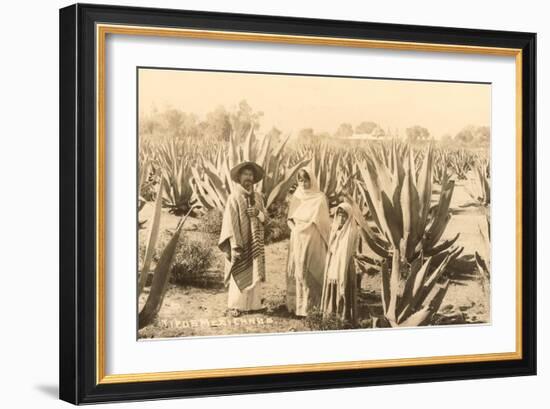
{"x":102,"y":30}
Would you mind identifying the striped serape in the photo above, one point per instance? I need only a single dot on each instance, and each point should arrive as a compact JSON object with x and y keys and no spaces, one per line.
{"x":239,"y":231}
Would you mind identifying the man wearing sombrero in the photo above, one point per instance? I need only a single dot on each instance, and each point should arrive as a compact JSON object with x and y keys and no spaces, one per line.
{"x":242,"y":239}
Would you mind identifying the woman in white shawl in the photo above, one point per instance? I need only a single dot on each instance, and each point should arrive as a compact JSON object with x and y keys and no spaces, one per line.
{"x":309,"y":222}
{"x":339,"y":290}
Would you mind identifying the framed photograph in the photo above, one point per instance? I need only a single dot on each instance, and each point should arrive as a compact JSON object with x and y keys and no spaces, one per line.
{"x":258,"y":203}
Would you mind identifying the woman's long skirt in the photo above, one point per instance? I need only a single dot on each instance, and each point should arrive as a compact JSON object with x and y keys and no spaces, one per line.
{"x":302,"y":297}
{"x":303,"y":294}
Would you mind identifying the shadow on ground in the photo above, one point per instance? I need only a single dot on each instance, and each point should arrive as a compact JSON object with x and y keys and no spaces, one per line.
{"x":49,"y":390}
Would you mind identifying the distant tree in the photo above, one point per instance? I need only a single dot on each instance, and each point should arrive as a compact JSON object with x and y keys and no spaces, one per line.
{"x":217,"y":124}
{"x":483,"y":135}
{"x":379,"y":133}
{"x":417,"y":133}
{"x":322,"y":136}
{"x":345,"y":130}
{"x":148,"y":125}
{"x":305,"y":134}
{"x":366,"y":127}
{"x":466,"y":135}
{"x":244,"y":119}
{"x":173,"y":121}
{"x":178,"y":124}
{"x":446,"y":139}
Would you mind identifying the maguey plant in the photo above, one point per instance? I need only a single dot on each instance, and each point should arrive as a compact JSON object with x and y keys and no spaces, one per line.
{"x":212,"y":182}
{"x":460,"y":162}
{"x":148,"y":172}
{"x":175,"y":164}
{"x":483,"y":256}
{"x":163,"y":268}
{"x":144,"y":171}
{"x":480,"y":187}
{"x":406,"y":234}
{"x":440,"y":167}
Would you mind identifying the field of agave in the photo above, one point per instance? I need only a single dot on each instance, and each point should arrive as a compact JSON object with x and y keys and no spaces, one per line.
{"x":401,"y":194}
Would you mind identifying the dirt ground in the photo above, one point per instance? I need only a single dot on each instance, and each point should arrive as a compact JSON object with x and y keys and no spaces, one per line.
{"x":195,"y":310}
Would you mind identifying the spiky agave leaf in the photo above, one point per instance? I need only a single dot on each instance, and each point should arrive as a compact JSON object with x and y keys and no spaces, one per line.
{"x":430,"y":308}
{"x":173,"y":158}
{"x":151,"y":240}
{"x":144,"y":167}
{"x":411,"y":208}
{"x":423,"y":285}
{"x":480,"y":189}
{"x":425,"y":188}
{"x":161,"y":278}
{"x":282,"y":187}
{"x":400,"y":200}
{"x":394,"y":282}
{"x":209,"y":189}
{"x":441,"y":217}
{"x":483,"y":257}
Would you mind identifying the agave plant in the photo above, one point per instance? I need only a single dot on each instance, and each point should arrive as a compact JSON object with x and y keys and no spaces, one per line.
{"x":461,"y":163}
{"x":175,"y":166}
{"x":152,"y":237}
{"x":480,"y":189}
{"x":413,"y":300}
{"x":388,"y":153}
{"x":348,"y":173}
{"x":483,"y":257}
{"x":163,"y":268}
{"x":148,"y":176}
{"x":212,"y":182}
{"x":161,"y":278}
{"x":144,"y":168}
{"x":400,"y":206}
{"x":334,"y":168}
{"x":407,"y":235}
{"x":326,"y":165}
{"x":440,"y":168}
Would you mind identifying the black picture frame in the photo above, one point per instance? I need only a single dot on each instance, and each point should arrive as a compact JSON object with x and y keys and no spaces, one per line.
{"x":78,"y":198}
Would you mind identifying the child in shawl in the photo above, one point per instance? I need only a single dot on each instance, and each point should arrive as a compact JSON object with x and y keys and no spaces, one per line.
{"x":339,"y":290}
{"x":309,"y":222}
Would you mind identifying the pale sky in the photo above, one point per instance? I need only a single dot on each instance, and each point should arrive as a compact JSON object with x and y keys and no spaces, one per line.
{"x":291,"y":103}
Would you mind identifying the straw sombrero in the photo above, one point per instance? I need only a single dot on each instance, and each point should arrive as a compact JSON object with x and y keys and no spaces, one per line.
{"x":256,"y":169}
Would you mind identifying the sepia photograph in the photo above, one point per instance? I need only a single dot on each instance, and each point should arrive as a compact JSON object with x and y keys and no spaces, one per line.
{"x":284,"y":202}
{"x":277,"y":202}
